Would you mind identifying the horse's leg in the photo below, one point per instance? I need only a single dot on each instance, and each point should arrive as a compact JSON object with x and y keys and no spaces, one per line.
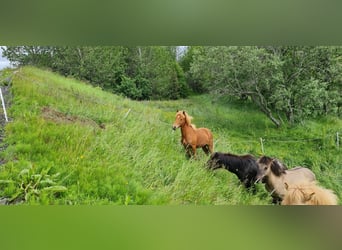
{"x":187,"y":150}
{"x":206,"y":149}
{"x":194,"y":151}
{"x":249,"y":184}
{"x":276,"y":200}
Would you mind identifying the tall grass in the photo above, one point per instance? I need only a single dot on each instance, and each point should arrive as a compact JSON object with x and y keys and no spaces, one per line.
{"x":80,"y":145}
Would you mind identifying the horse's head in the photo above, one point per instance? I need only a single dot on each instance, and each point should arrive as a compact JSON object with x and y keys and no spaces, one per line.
{"x":264,"y":163}
{"x":268,"y":166}
{"x":181,"y":119}
{"x":299,"y":195}
{"x":214,"y":161}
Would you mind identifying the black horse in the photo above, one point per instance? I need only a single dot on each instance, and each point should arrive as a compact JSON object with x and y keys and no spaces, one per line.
{"x":244,"y":167}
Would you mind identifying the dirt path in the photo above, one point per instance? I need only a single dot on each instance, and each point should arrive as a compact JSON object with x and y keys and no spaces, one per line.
{"x":5,"y":88}
{"x":7,"y":97}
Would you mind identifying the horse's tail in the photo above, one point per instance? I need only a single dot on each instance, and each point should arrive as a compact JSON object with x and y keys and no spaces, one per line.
{"x":211,"y":141}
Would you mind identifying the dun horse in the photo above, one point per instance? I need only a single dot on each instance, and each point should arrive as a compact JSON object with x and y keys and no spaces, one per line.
{"x":308,"y":194}
{"x":193,"y":137}
{"x":274,"y":174}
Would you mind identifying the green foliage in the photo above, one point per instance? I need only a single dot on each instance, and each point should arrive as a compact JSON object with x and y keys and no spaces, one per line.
{"x":295,"y":82}
{"x":128,"y":88}
{"x":141,"y":73}
{"x":156,"y":72}
{"x":72,"y":143}
{"x":29,"y":55}
{"x":193,"y":79}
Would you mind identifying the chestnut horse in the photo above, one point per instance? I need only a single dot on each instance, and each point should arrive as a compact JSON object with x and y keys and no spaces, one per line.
{"x":308,"y":193}
{"x":193,"y":137}
{"x":274,"y":174}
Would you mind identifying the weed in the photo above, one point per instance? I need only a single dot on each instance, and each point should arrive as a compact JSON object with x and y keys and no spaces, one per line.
{"x":32,"y":183}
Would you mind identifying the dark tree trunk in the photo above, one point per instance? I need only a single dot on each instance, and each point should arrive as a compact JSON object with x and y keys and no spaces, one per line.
{"x":258,"y":99}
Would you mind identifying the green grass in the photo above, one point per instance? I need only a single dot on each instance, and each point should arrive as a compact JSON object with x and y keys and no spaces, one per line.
{"x":71,"y":143}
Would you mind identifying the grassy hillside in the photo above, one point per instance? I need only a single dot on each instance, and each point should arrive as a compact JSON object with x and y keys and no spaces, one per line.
{"x":71,"y":143}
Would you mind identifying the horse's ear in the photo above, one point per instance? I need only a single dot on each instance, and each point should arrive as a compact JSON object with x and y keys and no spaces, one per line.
{"x":177,"y":111}
{"x":183,"y":112}
{"x":309,"y":196}
{"x":265,"y":160}
{"x":286,"y":186}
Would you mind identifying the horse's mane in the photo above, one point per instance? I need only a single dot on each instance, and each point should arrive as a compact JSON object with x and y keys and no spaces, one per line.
{"x":231,"y":159}
{"x":230,"y":155}
{"x":309,"y":194}
{"x":278,"y":168}
{"x":294,"y":196}
{"x":188,"y":119}
{"x":322,"y":196}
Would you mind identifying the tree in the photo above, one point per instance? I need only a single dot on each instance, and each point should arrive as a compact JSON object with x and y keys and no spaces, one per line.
{"x":144,"y":72}
{"x":241,"y":72}
{"x":156,"y":72}
{"x":297,"y":82}
{"x":311,"y":79}
{"x":28,"y":55}
{"x":193,"y":53}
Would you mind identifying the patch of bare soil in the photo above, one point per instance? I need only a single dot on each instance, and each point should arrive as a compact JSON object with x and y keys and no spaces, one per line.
{"x":55,"y":116}
{"x":7,"y":99}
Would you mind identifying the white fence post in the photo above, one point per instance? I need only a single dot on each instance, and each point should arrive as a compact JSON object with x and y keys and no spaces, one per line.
{"x":3,"y":105}
{"x":262,"y":145}
{"x":127,"y":113}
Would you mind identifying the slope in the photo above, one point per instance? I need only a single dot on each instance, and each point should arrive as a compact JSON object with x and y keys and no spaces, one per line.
{"x":72,"y":143}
